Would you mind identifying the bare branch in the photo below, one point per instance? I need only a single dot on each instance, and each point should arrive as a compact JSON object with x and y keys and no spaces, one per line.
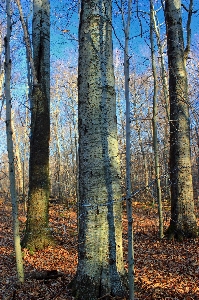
{"x":190,"y":12}
{"x":28,"y":43}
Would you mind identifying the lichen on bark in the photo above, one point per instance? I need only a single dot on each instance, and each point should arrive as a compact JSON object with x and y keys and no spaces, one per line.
{"x":100,"y":256}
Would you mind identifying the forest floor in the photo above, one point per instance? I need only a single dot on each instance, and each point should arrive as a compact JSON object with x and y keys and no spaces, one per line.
{"x":163,"y":269}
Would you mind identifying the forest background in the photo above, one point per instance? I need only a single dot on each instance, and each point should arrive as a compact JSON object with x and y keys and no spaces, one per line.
{"x":64,"y":54}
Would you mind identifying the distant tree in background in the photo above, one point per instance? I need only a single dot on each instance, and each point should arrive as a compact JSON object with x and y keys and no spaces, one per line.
{"x":63,"y":163}
{"x":183,"y":220}
{"x":37,"y":234}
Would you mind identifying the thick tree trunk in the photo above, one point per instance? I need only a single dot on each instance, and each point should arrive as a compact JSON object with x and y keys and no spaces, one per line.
{"x":100,"y":265}
{"x":37,"y":235}
{"x":183,"y":220}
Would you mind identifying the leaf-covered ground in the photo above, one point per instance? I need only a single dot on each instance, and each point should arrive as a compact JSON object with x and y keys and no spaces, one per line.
{"x":163,"y":269}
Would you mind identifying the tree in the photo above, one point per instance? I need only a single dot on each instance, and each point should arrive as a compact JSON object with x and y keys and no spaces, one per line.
{"x":1,"y":68}
{"x":183,"y":220}
{"x":126,"y":26}
{"x":154,"y":121}
{"x":100,"y":255}
{"x":11,"y":157}
{"x":37,"y":234}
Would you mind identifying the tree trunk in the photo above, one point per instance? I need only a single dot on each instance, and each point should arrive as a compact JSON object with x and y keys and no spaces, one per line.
{"x":126,"y":25}
{"x":11,"y":157}
{"x":183,"y":220}
{"x":100,"y":255}
{"x":154,"y":122}
{"x":18,"y":163}
{"x":1,"y":70}
{"x":37,"y":235}
{"x":156,"y":28}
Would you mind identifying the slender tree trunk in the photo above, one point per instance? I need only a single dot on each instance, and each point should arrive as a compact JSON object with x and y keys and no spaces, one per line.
{"x":1,"y":63}
{"x":126,"y":26}
{"x":100,"y":255}
{"x":183,"y":220}
{"x":197,"y":156}
{"x":19,"y":172}
{"x":154,"y":121}
{"x":37,"y":235}
{"x":140,"y":141}
{"x":28,"y":43}
{"x":58,"y":157}
{"x":121,"y":137}
{"x":1,"y":71}
{"x":164,"y":79}
{"x":9,"y":132}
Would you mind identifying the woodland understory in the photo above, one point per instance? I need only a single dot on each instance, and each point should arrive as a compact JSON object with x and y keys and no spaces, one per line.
{"x":163,"y":269}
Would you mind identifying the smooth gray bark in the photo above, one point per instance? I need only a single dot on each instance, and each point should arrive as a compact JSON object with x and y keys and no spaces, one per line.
{"x":100,"y":255}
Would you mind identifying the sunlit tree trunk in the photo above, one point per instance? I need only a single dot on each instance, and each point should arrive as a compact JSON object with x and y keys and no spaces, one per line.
{"x":11,"y":157}
{"x":154,"y":122}
{"x":165,"y":86}
{"x":183,"y":220}
{"x":18,"y":163}
{"x":100,"y":255}
{"x":156,"y":28}
{"x":37,"y":234}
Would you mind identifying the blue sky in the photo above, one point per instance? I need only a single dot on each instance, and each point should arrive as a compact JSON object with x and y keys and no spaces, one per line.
{"x":64,"y":33}
{"x":64,"y":29}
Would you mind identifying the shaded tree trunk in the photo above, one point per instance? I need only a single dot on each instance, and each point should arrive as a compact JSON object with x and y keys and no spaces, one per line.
{"x":37,"y":234}
{"x":126,"y":26}
{"x":1,"y":69}
{"x":100,"y":255}
{"x":183,"y":220}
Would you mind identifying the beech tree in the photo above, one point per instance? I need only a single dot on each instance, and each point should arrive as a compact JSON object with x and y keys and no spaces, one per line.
{"x":183,"y":220}
{"x":37,"y":234}
{"x":100,"y":256}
